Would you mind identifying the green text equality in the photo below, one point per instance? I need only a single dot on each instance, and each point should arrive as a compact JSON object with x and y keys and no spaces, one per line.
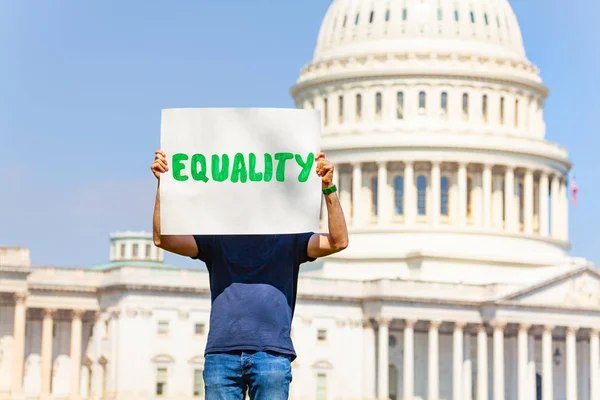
{"x":239,"y":168}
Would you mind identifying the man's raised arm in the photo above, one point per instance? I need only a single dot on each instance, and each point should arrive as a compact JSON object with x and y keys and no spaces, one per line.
{"x":321,"y":245}
{"x":183,"y":245}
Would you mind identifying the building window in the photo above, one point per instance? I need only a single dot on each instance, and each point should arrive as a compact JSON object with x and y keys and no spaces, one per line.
{"x":325,"y":114}
{"x":487,"y":21}
{"x":422,"y":102}
{"x":163,"y":327}
{"x":393,"y":382}
{"x":469,"y":198}
{"x":357,"y":19}
{"x":345,"y":20}
{"x":502,"y":110}
{"x":198,"y":383}
{"x":148,"y":251}
{"x":400,"y":105}
{"x":440,"y":14}
{"x":321,"y":386}
{"x":521,"y":196}
{"x":199,"y":329}
{"x":444,"y":196}
{"x":465,"y":106}
{"x":161,"y":382}
{"x":378,"y":105}
{"x":444,"y":104}
{"x":341,"y":109}
{"x":472,"y":17}
{"x":392,"y":341}
{"x":399,"y":195}
{"x":404,"y":14}
{"x":135,"y":250}
{"x":122,"y":251}
{"x":498,"y":21}
{"x":358,"y":107}
{"x":387,"y":15}
{"x":322,"y":335}
{"x":421,"y":195}
{"x":516,"y":113}
{"x":374,"y":196}
{"x":456,"y":16}
{"x":371,"y":17}
{"x":484,"y":108}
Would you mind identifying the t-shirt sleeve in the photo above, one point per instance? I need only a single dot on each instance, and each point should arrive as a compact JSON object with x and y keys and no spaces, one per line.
{"x":302,"y":247}
{"x":204,"y":247}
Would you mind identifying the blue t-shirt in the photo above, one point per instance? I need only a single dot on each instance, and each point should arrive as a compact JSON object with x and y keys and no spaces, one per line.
{"x":253,"y":284}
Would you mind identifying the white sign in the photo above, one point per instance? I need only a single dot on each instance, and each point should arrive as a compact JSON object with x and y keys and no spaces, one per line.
{"x":240,"y":171}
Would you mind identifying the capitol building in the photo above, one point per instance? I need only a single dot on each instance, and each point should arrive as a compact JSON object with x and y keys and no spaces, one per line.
{"x":457,"y":283}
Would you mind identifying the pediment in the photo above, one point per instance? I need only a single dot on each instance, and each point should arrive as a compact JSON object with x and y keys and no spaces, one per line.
{"x":163,"y":358}
{"x":196,"y":360}
{"x":577,"y":289}
{"x":322,"y":364}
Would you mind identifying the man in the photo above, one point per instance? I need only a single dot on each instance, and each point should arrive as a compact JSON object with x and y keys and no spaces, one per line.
{"x":253,"y":283}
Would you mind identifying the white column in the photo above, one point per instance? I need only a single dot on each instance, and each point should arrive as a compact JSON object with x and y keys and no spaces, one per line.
{"x":571,"y":364}
{"x":76,"y":339}
{"x":46,"y":356}
{"x":433,"y":380}
{"x":543,"y":196}
{"x":531,"y":383}
{"x":457,"y":361}
{"x":409,"y":359}
{"x":555,"y":211}
{"x":522,"y":359}
{"x":410,"y":205}
{"x":18,"y":343}
{"x":345,"y":193}
{"x":384,"y":357}
{"x":435,"y":192}
{"x":564,"y":206}
{"x":509,"y":196}
{"x":487,"y":196}
{"x":498,"y":360}
{"x":547,"y":387}
{"x":383,"y":208}
{"x":357,"y":210}
{"x":462,"y":194}
{"x":528,"y":203}
{"x":369,"y":359}
{"x":467,"y":368}
{"x":482,"y":363}
{"x":594,"y":364}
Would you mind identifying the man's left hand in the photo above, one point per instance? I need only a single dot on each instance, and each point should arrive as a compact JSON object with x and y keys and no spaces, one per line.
{"x":324,"y":170}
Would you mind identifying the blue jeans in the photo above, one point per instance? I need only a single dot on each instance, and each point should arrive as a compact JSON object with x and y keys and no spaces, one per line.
{"x":265,"y":375}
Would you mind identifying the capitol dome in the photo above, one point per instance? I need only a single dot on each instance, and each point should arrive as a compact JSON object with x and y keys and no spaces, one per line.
{"x":433,"y":116}
{"x":485,"y":28}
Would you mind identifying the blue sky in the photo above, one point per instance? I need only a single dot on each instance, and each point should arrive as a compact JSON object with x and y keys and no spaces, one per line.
{"x":82,"y":84}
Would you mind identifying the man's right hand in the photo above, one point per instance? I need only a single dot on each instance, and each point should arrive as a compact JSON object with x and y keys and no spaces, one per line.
{"x":160,"y":164}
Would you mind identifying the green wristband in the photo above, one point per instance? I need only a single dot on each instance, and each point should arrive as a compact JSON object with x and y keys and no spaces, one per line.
{"x":329,"y":190}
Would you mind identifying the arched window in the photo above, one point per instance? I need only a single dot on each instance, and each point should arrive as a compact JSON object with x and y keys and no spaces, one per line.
{"x":465,"y":106}
{"x":456,"y":16}
{"x":345,"y":20}
{"x":444,"y":105}
{"x":387,"y":15}
{"x":399,"y":195}
{"x":469,"y":198}
{"x":516,"y":113}
{"x":444,"y":196}
{"x":404,"y":14}
{"x":521,"y":196}
{"x":374,"y":196}
{"x":325,"y":114}
{"x":378,"y":105}
{"x":422,"y":102}
{"x":341,"y":109}
{"x":472,"y":17}
{"x":440,"y":14}
{"x":502,"y":110}
{"x":400,"y":105}
{"x":371,"y":17}
{"x":484,"y":108}
{"x":393,"y":382}
{"x":358,"y":107}
{"x":487,"y":21}
{"x":422,"y":195}
{"x":357,"y":19}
